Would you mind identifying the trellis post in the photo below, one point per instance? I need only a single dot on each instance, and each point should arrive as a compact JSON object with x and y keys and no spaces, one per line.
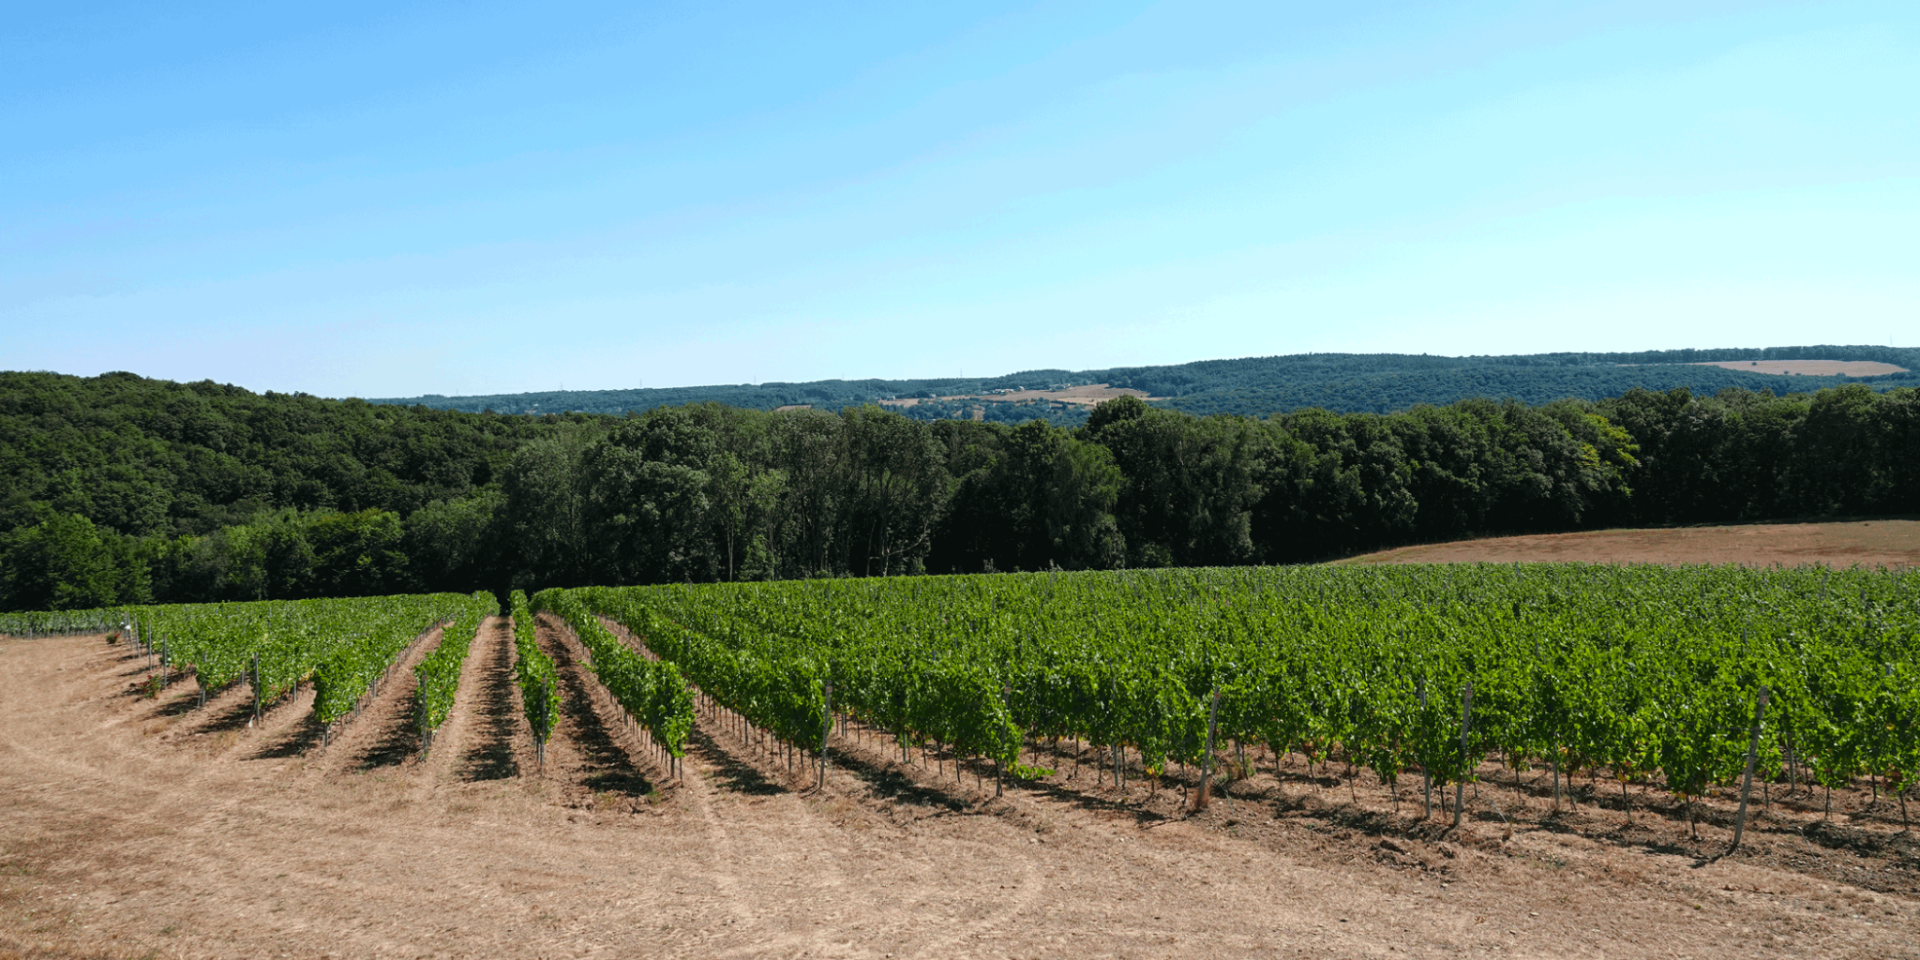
{"x":1746,"y":782}
{"x":1466,"y":722}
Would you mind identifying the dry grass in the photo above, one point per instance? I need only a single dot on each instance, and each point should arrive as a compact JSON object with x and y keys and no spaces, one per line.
{"x":1890,"y":543}
{"x":1809,"y":368}
{"x":1091,"y":395}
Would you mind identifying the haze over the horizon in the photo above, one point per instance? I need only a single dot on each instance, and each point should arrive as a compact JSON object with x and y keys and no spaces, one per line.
{"x":483,"y":198}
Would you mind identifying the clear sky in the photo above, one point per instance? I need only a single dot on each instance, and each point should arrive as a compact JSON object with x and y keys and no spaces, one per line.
{"x":381,"y":199}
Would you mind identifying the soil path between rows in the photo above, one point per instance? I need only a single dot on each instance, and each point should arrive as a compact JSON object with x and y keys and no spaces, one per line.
{"x":126,"y":835}
{"x":476,"y":741}
{"x":594,"y":758}
{"x":495,"y":742}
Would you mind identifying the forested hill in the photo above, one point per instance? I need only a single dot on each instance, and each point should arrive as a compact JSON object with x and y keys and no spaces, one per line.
{"x":1392,"y":389}
{"x":1341,"y":382}
{"x":121,"y":489}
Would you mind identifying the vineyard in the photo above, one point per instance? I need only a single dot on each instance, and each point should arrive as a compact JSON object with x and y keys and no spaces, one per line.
{"x":1019,"y":756}
{"x":1648,"y":674}
{"x":437,"y":677}
{"x":1686,"y":678}
{"x":345,"y":648}
{"x":1691,"y":678}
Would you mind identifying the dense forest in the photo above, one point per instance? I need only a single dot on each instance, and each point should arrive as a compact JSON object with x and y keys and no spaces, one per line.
{"x":1341,"y":382}
{"x":124,"y":489}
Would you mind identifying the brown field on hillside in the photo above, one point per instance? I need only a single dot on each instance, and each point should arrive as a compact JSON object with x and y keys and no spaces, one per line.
{"x":147,"y":827}
{"x":1894,"y":544}
{"x":1091,"y":395}
{"x":1810,"y":368}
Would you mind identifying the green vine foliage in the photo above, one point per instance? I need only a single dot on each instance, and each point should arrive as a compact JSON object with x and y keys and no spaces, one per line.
{"x":341,"y":645}
{"x":534,"y":670}
{"x":1636,"y":670}
{"x":652,"y":691}
{"x":437,"y":677}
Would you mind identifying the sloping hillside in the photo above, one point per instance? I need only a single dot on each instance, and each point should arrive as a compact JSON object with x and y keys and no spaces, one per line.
{"x":1257,"y":386}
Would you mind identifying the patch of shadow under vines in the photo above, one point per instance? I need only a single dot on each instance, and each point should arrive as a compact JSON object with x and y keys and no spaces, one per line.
{"x":730,"y":773}
{"x":237,"y":717}
{"x":140,"y":670}
{"x":302,"y":737}
{"x":890,"y":783}
{"x":611,"y":769}
{"x":491,"y":756}
{"x":398,"y":740}
{"x":1864,"y":843}
{"x":178,"y":706}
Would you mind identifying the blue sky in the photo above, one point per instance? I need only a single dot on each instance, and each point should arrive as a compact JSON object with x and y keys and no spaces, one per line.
{"x":359,"y":199}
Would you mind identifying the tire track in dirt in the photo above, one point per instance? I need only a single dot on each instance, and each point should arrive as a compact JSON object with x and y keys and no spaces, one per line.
{"x":583,"y":751}
{"x":1137,"y":844}
{"x":90,"y":770}
{"x":865,"y":792}
{"x":1141,"y":848}
{"x":72,"y":749}
{"x":28,"y":745}
{"x":822,"y":817}
{"x":723,"y":870}
{"x":722,"y":770}
{"x":1003,"y":916}
{"x":863,"y":769}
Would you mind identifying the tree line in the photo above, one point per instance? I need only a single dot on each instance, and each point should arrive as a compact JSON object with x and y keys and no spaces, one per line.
{"x":129,"y":490}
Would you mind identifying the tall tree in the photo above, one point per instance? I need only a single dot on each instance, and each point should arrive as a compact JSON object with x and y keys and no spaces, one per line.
{"x":645,"y":492}
{"x":542,"y":488}
{"x":1046,"y":501}
{"x":807,"y":448}
{"x":1191,"y":484}
{"x":897,"y":489}
{"x":65,"y":562}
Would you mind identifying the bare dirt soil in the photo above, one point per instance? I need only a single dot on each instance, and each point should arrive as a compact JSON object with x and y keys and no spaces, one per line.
{"x":1893,"y":544}
{"x":1091,"y":395}
{"x":1810,"y":368}
{"x":152,"y":827}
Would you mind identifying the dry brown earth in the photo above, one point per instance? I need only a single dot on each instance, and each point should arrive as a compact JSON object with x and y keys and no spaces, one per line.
{"x":1091,"y":395}
{"x":136,"y":827}
{"x":1810,"y":368}
{"x":1893,"y":544}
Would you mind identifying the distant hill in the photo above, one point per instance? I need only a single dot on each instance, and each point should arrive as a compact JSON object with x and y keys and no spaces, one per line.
{"x":1256,"y":386}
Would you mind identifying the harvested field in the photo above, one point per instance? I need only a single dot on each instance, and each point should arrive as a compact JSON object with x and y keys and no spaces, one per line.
{"x":1810,"y":368}
{"x":1894,"y":544}
{"x":140,"y":827}
{"x":1089,"y":396}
